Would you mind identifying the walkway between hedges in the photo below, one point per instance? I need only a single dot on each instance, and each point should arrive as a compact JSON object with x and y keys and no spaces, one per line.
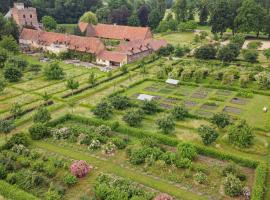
{"x":108,"y":167}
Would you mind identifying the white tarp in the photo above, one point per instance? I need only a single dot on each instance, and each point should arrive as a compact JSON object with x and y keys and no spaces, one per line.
{"x":172,"y":81}
{"x":144,"y":97}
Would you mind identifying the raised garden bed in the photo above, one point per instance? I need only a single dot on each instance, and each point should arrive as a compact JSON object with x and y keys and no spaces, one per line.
{"x":239,"y":101}
{"x":233,"y":110}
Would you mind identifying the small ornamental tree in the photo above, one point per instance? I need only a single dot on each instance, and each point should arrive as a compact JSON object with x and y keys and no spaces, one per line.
{"x":179,"y":112}
{"x":221,"y":120}
{"x":232,"y":186}
{"x":166,"y":124}
{"x":72,"y":85}
{"x":10,"y":44}
{"x":92,"y":78}
{"x":103,"y":110}
{"x":120,"y":102}
{"x":240,"y":134}
{"x":89,"y":17}
{"x":186,"y":150}
{"x":150,"y":107}
{"x":208,"y":134}
{"x":12,"y":74}
{"x":205,"y":52}
{"x":80,"y":168}
{"x":54,"y":72}
{"x":42,"y":115}
{"x":133,"y":117}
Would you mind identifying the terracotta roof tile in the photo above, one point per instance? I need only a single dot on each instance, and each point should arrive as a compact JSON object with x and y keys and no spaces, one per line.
{"x":112,"y":56}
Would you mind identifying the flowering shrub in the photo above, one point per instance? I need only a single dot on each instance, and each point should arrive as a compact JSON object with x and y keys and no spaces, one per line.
{"x":163,"y":197}
{"x":20,"y":149}
{"x":80,"y":168}
{"x":109,"y":148}
{"x":95,"y":144}
{"x":59,"y":134}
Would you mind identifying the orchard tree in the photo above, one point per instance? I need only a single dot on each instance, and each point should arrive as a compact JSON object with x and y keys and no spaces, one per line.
{"x":206,"y":52}
{"x":49,"y":23}
{"x":221,"y":120}
{"x":72,"y":85}
{"x":208,"y":134}
{"x":16,"y":110}
{"x":228,"y":53}
{"x":240,"y":134}
{"x":42,"y":115}
{"x":103,"y":110}
{"x":3,"y":57}
{"x":150,"y":107}
{"x":10,"y":44}
{"x":179,"y":112}
{"x":92,"y":78}
{"x":6,"y":126}
{"x":120,"y":102}
{"x":133,"y":117}
{"x":166,"y":124}
{"x":54,"y":72}
{"x":12,"y":74}
{"x":89,"y":17}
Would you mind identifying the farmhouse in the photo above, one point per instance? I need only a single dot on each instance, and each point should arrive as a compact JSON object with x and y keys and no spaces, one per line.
{"x":23,"y":16}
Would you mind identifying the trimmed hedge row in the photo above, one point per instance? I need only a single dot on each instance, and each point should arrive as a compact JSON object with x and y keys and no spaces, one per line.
{"x":261,"y":168}
{"x":12,"y":192}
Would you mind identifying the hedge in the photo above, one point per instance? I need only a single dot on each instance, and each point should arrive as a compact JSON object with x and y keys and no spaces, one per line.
{"x":12,"y":192}
{"x":261,"y":168}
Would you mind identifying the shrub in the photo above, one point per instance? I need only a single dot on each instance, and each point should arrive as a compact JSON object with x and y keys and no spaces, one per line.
{"x":42,"y":115}
{"x":11,"y":178}
{"x":3,"y":172}
{"x":70,"y":180}
{"x":186,"y":150}
{"x":183,"y":163}
{"x":228,"y":53}
{"x":166,"y":51}
{"x":109,"y":148}
{"x":254,"y":45}
{"x":150,"y":107}
{"x":205,"y":52}
{"x":168,"y":157}
{"x":166,"y":124}
{"x":179,"y":112}
{"x":103,"y":110}
{"x":54,"y":72}
{"x":238,"y":39}
{"x":221,"y":120}
{"x":103,"y":130}
{"x":119,"y":143}
{"x":80,"y":168}
{"x":250,"y":55}
{"x":133,"y":117}
{"x":39,"y":131}
{"x":232,"y":186}
{"x":208,"y":134}
{"x":52,"y":195}
{"x":263,"y":80}
{"x":240,"y":134}
{"x":50,"y":171}
{"x":200,"y":177}
{"x":187,"y":26}
{"x":120,"y":102}
{"x":94,"y":145}
{"x":19,"y":138}
{"x":12,"y":73}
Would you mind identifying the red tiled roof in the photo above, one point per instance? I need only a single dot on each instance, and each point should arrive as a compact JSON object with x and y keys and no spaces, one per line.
{"x":112,"y":56}
{"x":83,"y":44}
{"x":122,"y":32}
{"x":83,"y":26}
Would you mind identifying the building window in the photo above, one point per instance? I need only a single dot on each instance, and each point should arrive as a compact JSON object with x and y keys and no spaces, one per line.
{"x":30,"y":15}
{"x":23,"y":16}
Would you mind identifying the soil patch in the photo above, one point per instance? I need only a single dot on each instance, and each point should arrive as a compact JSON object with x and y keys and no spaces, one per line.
{"x":151,"y":89}
{"x":209,"y":107}
{"x":165,"y":91}
{"x":239,"y":101}
{"x":204,"y":113}
{"x":166,"y":106}
{"x":224,"y":92}
{"x":200,"y":94}
{"x":232,"y":110}
{"x":190,"y":103}
{"x":172,"y":100}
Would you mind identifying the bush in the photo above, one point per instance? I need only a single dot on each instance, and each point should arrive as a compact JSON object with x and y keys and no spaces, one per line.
{"x":42,"y":115}
{"x":52,"y":195}
{"x":94,"y":145}
{"x":200,"y":177}
{"x":254,"y":45}
{"x":54,"y":72}
{"x":186,"y":150}
{"x":232,"y":186}
{"x":12,"y":73}
{"x":208,"y":134}
{"x":240,"y":134}
{"x":19,"y":138}
{"x":70,"y":180}
{"x":119,"y":143}
{"x":120,"y":102}
{"x":187,"y":26}
{"x":205,"y":52}
{"x":103,"y":130}
{"x":80,"y":168}
{"x":221,"y":120}
{"x":179,"y":112}
{"x":263,"y":80}
{"x":166,"y":124}
{"x":3,"y":172}
{"x":166,"y":51}
{"x":133,"y":117}
{"x":183,"y":163}
{"x":168,"y":157}
{"x":39,"y":131}
{"x":150,"y":107}
{"x":250,"y":55}
{"x":228,"y":53}
{"x":103,"y":110}
{"x":238,"y":39}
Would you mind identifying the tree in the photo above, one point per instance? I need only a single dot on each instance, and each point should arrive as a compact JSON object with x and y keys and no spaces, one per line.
{"x":72,"y":85}
{"x":16,"y":110}
{"x":92,"y":78}
{"x":10,"y":44}
{"x":6,"y":126}
{"x":203,"y":12}
{"x":232,"y":185}
{"x":149,"y":107}
{"x":208,"y":134}
{"x":120,"y":102}
{"x":250,"y":55}
{"x":238,"y":39}
{"x":54,"y":72}
{"x":133,"y":20}
{"x":143,"y":15}
{"x":220,"y":17}
{"x":179,"y":112}
{"x":39,"y":131}
{"x":180,"y":10}
{"x":186,"y":150}
{"x":251,"y":17}
{"x":166,"y":124}
{"x":3,"y":57}
{"x":2,"y":85}
{"x":89,"y":17}
{"x":42,"y":115}
{"x":49,"y":23}
{"x":221,"y":120}
{"x":228,"y":53}
{"x":133,"y":117}
{"x":103,"y":110}
{"x":240,"y":134}
{"x":102,"y":14}
{"x":154,"y":19}
{"x":205,"y":52}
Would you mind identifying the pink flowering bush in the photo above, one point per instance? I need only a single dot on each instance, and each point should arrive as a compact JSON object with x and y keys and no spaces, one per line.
{"x":80,"y":168}
{"x":163,"y":197}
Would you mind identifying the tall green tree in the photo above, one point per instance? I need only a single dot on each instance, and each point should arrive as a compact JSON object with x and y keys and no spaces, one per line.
{"x":180,"y":10}
{"x":89,"y":17}
{"x":251,"y":17}
{"x":49,"y":23}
